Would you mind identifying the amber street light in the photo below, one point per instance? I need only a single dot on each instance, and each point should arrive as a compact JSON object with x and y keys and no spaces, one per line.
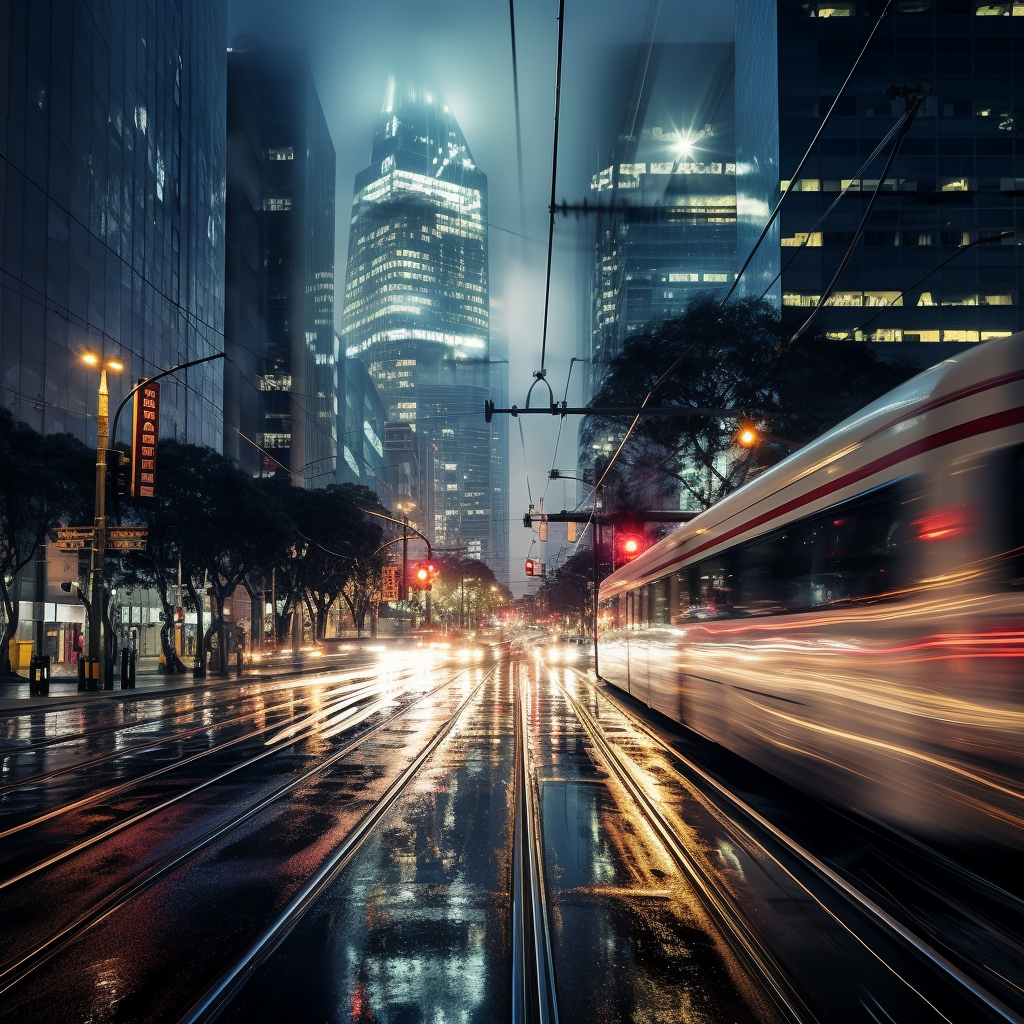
{"x":747,"y":436}
{"x":99,"y":545}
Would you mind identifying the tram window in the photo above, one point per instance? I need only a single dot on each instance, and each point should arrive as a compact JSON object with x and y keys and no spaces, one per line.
{"x":762,"y":567}
{"x":1017,"y":524}
{"x":660,"y":602}
{"x":852,"y":552}
{"x":644,"y":617}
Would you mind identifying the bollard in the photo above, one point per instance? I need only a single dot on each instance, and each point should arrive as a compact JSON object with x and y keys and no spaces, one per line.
{"x":127,"y":669}
{"x":81,"y":674}
{"x":39,"y":676}
{"x":92,"y":674}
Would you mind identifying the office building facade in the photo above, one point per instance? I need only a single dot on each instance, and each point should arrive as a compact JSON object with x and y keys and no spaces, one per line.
{"x":416,"y":303}
{"x":362,"y":458}
{"x":281,"y":393}
{"x":666,"y":198}
{"x":918,"y":284}
{"x":112,"y":179}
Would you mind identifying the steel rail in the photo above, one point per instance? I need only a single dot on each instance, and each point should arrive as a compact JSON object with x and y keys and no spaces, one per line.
{"x":230,"y":981}
{"x":162,"y":805}
{"x":534,"y":995}
{"x":339,"y":700}
{"x":818,"y":867}
{"x":733,"y":927}
{"x":147,"y":745}
{"x":16,"y":972}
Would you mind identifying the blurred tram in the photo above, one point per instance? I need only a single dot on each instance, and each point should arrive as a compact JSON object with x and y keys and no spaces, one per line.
{"x":852,"y":620}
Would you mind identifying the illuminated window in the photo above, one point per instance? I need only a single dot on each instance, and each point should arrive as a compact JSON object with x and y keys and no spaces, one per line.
{"x":281,"y":153}
{"x":954,"y":185}
{"x":674,"y":278}
{"x":924,"y":336}
{"x":277,"y":205}
{"x":960,"y":336}
{"x":835,"y":10}
{"x":886,"y":334}
{"x":803,"y":238}
{"x":716,"y":278}
{"x":799,"y":299}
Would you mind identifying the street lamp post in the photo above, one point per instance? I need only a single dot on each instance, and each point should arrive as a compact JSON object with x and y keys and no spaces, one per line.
{"x":97,"y":659}
{"x":95,"y":667}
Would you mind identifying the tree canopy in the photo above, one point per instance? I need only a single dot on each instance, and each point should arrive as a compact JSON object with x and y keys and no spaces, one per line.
{"x":725,"y":357}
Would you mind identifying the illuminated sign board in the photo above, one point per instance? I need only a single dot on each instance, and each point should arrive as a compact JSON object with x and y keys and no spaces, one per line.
{"x":145,"y":434}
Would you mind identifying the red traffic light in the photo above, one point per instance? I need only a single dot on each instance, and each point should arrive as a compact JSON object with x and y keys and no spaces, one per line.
{"x":422,"y":574}
{"x":529,"y":567}
{"x":630,"y":546}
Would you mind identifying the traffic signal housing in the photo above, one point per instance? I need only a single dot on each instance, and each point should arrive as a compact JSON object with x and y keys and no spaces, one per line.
{"x":629,"y":545}
{"x":423,"y":575}
{"x":530,"y":566}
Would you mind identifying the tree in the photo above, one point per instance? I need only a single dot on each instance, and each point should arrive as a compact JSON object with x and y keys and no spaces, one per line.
{"x":568,"y":589}
{"x":44,"y":480}
{"x":731,"y":357}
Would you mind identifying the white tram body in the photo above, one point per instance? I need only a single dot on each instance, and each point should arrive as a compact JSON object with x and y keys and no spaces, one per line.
{"x":852,"y":620}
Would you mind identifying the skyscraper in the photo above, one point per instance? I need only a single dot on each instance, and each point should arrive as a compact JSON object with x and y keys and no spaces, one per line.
{"x":958,"y":178}
{"x":112,"y":170}
{"x":281,"y":393}
{"x":416,"y":302}
{"x":666,"y":199}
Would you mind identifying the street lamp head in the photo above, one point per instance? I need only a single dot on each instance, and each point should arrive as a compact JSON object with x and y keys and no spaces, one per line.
{"x":90,"y":358}
{"x":113,"y":364}
{"x":747,"y":436}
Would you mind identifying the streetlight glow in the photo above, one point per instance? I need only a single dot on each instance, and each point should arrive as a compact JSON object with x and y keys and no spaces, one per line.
{"x":91,"y":359}
{"x":747,"y":437}
{"x":113,"y":364}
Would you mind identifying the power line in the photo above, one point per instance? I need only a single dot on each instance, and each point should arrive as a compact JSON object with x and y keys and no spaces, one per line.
{"x":807,"y":155}
{"x":915,"y":106}
{"x":519,"y":133}
{"x":554,"y":178}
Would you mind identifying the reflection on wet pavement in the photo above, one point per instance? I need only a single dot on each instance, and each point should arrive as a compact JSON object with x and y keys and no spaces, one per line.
{"x":416,"y":927}
{"x":631,"y":941}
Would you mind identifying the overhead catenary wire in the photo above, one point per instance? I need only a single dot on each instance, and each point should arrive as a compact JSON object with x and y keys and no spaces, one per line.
{"x":554,"y":178}
{"x":938,"y":266}
{"x":915,"y":105}
{"x":855,"y":180}
{"x":519,"y":132}
{"x":810,"y":149}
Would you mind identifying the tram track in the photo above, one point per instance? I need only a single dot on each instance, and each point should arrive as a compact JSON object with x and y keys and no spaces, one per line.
{"x":822,"y":883}
{"x":747,"y":945}
{"x":219,"y":993}
{"x":146,"y":723}
{"x":358,"y":690}
{"x":534,"y":998}
{"x":29,"y":962}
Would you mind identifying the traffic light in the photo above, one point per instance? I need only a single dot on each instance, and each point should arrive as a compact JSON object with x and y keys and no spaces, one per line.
{"x":118,"y":472}
{"x":629,"y":545}
{"x":423,"y":575}
{"x":529,"y":566}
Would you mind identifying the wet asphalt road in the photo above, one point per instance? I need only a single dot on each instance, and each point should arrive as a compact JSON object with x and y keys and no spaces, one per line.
{"x":339,"y":847}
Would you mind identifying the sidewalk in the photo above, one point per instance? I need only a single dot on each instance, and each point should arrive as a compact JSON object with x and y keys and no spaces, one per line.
{"x":151,"y":683}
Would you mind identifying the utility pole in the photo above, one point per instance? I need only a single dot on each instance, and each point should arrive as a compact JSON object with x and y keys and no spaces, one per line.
{"x":404,"y":588}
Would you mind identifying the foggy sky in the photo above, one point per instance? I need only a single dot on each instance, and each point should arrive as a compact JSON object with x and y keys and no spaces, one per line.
{"x":462,"y":49}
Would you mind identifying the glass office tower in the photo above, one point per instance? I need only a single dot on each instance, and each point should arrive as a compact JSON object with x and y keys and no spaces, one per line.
{"x":112,"y":178}
{"x":666,"y":200}
{"x":959,"y":176}
{"x":282,"y":391}
{"x":416,"y":302}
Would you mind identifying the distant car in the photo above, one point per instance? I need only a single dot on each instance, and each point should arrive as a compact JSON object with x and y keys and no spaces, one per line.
{"x":568,"y":649}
